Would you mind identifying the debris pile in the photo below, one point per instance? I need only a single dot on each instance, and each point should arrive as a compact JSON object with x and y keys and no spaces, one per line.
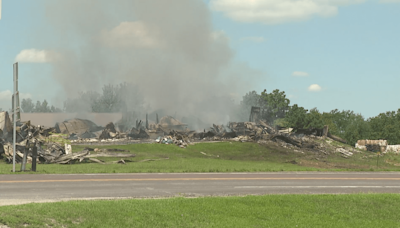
{"x":344,"y":152}
{"x":53,"y":144}
{"x":50,"y":144}
{"x":393,"y":149}
{"x":372,"y":145}
{"x":78,"y":128}
{"x":179,"y":141}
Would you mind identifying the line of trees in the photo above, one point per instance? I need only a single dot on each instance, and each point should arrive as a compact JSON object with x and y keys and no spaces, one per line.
{"x":345,"y":124}
{"x":27,"y":105}
{"x":113,"y":98}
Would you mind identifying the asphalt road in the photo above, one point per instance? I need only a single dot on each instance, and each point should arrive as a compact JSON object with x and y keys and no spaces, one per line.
{"x":25,"y":188}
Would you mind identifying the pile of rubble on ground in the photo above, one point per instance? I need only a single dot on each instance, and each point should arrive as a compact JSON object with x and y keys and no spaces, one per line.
{"x":167,"y":130}
{"x":172,"y":140}
{"x":48,"y":145}
{"x":377,"y":146}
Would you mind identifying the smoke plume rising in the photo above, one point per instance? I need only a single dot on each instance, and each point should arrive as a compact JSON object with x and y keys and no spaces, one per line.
{"x":168,"y":49}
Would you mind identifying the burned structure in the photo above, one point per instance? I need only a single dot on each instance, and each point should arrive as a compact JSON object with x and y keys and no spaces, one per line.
{"x":53,"y":144}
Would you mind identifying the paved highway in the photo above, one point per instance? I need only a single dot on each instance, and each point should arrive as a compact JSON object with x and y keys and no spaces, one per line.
{"x":24,"y":188}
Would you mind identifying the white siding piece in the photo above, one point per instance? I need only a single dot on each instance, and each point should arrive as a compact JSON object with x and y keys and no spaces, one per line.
{"x":393,"y":149}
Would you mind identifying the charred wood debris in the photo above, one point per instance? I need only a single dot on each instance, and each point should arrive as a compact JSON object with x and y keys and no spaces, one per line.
{"x":166,"y":131}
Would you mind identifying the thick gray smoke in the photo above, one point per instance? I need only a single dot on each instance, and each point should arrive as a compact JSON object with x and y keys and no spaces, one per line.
{"x":168,"y":49}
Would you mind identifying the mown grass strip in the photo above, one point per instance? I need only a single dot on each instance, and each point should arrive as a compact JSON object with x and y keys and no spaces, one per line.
{"x":356,"y":210}
{"x":217,"y":157}
{"x":232,"y":157}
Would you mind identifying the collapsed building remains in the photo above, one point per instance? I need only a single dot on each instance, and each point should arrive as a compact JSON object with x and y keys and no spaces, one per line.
{"x":44,"y":145}
{"x":53,"y":143}
{"x":377,"y":146}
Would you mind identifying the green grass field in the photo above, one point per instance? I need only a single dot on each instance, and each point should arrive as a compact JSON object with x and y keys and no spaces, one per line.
{"x":356,"y":210}
{"x":220,"y":157}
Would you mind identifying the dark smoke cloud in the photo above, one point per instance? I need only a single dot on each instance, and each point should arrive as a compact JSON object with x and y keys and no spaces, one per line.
{"x":169,"y":49}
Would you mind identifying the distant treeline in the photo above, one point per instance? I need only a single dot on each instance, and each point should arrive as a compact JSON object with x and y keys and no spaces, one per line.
{"x":345,"y":124}
{"x":111,"y":99}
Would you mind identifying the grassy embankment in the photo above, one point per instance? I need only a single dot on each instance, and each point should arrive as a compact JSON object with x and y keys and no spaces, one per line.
{"x":357,"y":210}
{"x":220,"y":157}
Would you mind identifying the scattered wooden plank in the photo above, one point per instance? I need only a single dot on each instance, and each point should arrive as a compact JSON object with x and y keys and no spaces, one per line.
{"x":96,"y":160}
{"x":110,"y":155}
{"x":146,"y":160}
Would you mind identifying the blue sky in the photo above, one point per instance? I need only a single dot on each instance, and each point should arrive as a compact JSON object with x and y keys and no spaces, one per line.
{"x":323,"y":53}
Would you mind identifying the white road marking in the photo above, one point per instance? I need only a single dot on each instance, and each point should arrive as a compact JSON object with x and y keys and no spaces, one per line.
{"x":256,"y":187}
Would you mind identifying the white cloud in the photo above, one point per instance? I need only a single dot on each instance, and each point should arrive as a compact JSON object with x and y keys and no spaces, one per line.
{"x":277,"y":11}
{"x":132,"y":34}
{"x":6,"y":95}
{"x":256,"y":39}
{"x":314,"y":88}
{"x":5,"y":99}
{"x":300,"y":74}
{"x":0,"y":9}
{"x":36,"y":56}
{"x":389,"y":1}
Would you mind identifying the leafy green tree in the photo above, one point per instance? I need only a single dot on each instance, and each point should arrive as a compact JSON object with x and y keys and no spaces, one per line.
{"x":357,"y":129}
{"x":314,"y":119}
{"x":300,"y":118}
{"x":55,"y":109}
{"x":45,"y":107}
{"x":27,"y":105}
{"x":111,"y":100}
{"x":276,"y":105}
{"x":296,"y":117}
{"x":328,"y":120}
{"x":42,"y":106}
{"x":347,"y":125}
{"x":114,"y":98}
{"x":38,"y":106}
{"x":251,"y":98}
{"x":342,"y":119}
{"x":86,"y":102}
{"x":386,"y":126}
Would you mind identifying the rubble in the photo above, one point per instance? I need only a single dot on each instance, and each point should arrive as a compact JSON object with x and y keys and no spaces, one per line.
{"x":372,"y":145}
{"x":85,"y":155}
{"x":52,"y":147}
{"x":179,"y":141}
{"x":108,"y":132}
{"x":344,"y":152}
{"x":76,"y":126}
{"x":168,"y":122}
{"x":56,"y":148}
{"x":393,"y":149}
